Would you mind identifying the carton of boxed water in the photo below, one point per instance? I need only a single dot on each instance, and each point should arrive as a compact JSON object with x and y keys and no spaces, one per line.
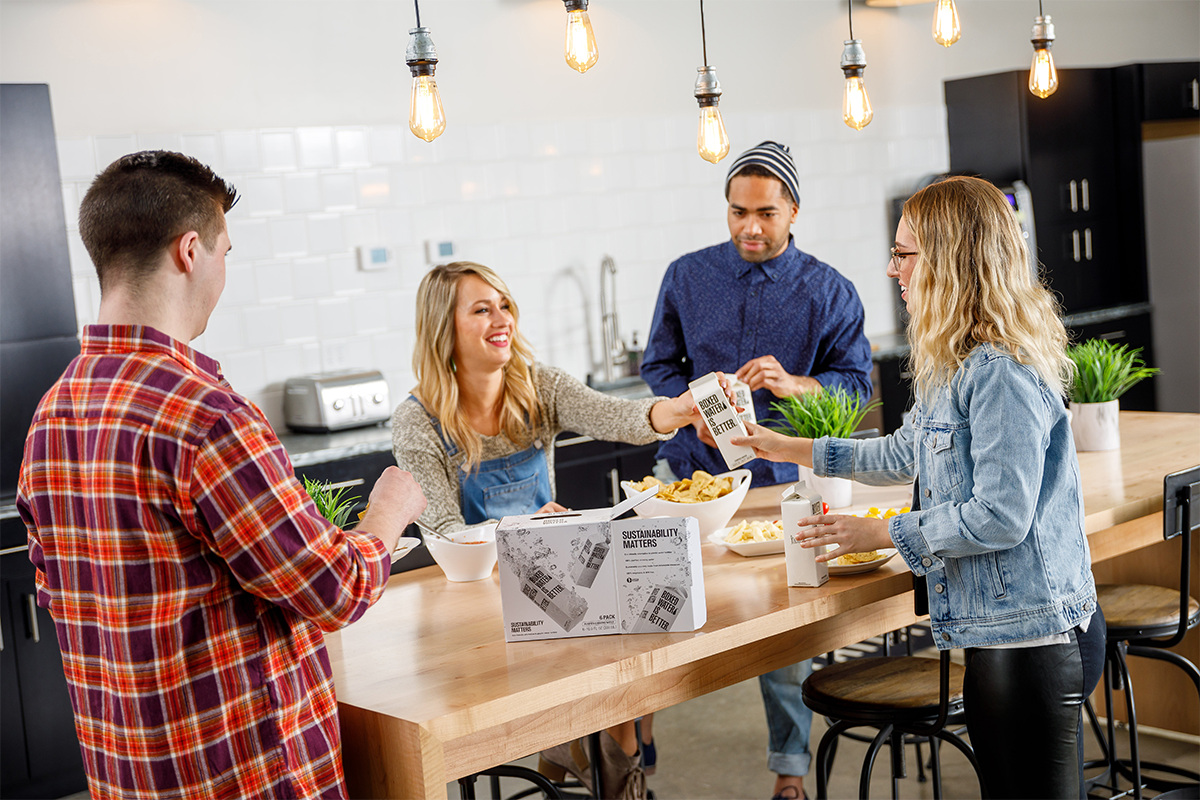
{"x":586,"y":573}
{"x":803,"y":569}
{"x":721,"y":418}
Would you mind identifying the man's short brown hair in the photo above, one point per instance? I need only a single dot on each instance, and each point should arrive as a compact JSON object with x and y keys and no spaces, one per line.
{"x":140,"y":203}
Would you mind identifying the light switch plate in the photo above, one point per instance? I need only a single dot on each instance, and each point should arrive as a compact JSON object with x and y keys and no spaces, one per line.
{"x":439,"y":252}
{"x":375,"y":257}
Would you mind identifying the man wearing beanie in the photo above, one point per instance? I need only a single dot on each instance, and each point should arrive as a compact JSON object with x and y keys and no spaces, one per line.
{"x":783,"y":322}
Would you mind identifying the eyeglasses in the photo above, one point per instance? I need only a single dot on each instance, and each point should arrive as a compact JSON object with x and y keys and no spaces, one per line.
{"x":897,"y":255}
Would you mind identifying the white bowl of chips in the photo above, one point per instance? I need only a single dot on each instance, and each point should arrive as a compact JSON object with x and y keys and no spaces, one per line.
{"x":711,"y":499}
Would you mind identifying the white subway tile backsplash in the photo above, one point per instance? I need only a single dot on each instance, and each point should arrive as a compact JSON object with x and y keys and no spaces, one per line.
{"x":284,"y":362}
{"x":428,"y":222}
{"x":325,"y":233}
{"x":483,"y":142}
{"x":261,"y":326}
{"x":86,"y":309}
{"x":310,"y":277}
{"x":240,"y":288}
{"x":316,"y":147}
{"x":374,"y":187}
{"x":335,"y":318}
{"x":338,"y":190}
{"x":301,"y":192}
{"x":393,"y":354}
{"x":647,"y":171}
{"x":543,"y":139}
{"x":491,"y":223}
{"x":77,"y":158}
{"x":160,"y":141}
{"x":395,"y":226}
{"x":369,"y":313}
{"x":289,"y":236}
{"x":244,"y":370}
{"x":273,"y":281}
{"x":71,"y":194}
{"x":81,"y":262}
{"x":110,"y":148}
{"x":387,"y":143}
{"x":360,"y":229}
{"x":343,"y":272}
{"x":551,"y":217}
{"x":355,"y":353}
{"x":250,"y":239}
{"x":205,"y":148}
{"x":298,"y":323}
{"x":515,"y":140}
{"x":224,"y":332}
{"x":262,"y":195}
{"x":601,"y":138}
{"x":628,"y":135}
{"x":442,"y":182}
{"x":352,"y":148}
{"x":240,"y":151}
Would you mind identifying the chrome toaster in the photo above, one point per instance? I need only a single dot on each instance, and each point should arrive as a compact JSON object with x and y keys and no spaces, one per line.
{"x":334,"y":401}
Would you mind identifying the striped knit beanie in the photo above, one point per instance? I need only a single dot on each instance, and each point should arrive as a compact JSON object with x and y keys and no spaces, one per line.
{"x":776,"y":159}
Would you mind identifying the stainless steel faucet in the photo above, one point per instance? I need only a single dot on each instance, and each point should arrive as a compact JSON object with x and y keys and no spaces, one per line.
{"x":615,"y":353}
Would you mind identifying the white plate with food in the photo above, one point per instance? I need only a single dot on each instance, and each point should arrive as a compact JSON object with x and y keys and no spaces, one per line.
{"x":405,"y":546}
{"x":751,"y":538}
{"x":882,"y":557}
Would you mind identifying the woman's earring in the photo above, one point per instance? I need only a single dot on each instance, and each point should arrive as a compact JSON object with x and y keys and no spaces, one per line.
{"x":453,"y":366}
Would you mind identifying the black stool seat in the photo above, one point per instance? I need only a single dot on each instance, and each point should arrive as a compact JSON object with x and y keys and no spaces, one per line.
{"x":890,"y":689}
{"x":1138,"y":611}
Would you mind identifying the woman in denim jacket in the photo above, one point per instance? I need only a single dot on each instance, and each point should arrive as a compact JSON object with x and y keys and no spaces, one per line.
{"x":997,"y":526}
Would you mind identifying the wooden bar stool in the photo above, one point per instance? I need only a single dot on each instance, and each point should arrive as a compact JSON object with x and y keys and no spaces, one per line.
{"x":1136,"y":616}
{"x":900,"y":696}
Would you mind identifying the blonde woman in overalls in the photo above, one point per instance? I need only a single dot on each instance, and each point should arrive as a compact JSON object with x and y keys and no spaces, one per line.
{"x":478,"y":434}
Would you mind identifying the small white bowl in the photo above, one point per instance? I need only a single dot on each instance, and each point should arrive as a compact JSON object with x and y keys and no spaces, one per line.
{"x":466,"y":562}
{"x":712,"y":514}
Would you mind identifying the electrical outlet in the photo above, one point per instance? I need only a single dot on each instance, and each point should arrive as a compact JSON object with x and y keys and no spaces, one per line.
{"x":439,"y":252}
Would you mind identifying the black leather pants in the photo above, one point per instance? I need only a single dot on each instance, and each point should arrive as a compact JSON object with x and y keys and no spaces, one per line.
{"x":1024,"y":714}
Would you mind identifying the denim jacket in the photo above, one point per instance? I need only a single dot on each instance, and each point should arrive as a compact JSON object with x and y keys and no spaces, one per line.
{"x":999,"y":533}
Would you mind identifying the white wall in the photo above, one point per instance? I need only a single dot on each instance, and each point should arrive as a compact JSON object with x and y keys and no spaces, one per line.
{"x":541,"y":171}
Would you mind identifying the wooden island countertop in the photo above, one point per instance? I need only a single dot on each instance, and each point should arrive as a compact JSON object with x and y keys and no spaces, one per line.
{"x":429,"y":691}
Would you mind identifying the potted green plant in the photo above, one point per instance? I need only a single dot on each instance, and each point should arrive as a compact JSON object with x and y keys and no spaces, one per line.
{"x":331,"y":501}
{"x":830,"y":412}
{"x":1103,"y":372}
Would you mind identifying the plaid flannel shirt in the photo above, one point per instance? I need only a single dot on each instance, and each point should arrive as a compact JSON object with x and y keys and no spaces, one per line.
{"x":189,"y":576}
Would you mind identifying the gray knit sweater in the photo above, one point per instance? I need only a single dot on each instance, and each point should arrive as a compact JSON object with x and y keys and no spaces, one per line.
{"x":566,"y":404}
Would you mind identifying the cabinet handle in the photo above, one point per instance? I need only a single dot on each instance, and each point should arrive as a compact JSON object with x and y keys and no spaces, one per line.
{"x":1087,"y":203}
{"x":347,"y":484}
{"x":31,"y":608}
{"x":1075,"y":243}
{"x":1195,"y":95}
{"x":1087,"y":243}
{"x":614,"y":485}
{"x":1,"y":638}
{"x":1112,"y":335}
{"x":1074,"y":198}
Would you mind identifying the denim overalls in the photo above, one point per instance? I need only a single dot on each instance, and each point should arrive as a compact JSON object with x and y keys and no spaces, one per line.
{"x":500,"y":487}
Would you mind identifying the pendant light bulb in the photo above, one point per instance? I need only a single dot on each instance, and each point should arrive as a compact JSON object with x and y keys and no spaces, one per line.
{"x":580,"y":48}
{"x":1043,"y":77}
{"x":712,"y":142}
{"x":946,"y":28}
{"x":426,"y":117}
{"x":856,"y":105}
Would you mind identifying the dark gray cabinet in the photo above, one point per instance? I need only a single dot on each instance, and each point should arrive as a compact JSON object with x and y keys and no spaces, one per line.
{"x":39,"y":753}
{"x":1065,"y":147}
{"x":588,"y":472}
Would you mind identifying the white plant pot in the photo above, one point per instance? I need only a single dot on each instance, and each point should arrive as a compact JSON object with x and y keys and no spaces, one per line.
{"x":834,"y":491}
{"x":1095,"y":425}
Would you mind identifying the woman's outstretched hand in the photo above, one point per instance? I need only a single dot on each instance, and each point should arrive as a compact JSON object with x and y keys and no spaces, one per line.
{"x":669,"y":415}
{"x":775,"y":446}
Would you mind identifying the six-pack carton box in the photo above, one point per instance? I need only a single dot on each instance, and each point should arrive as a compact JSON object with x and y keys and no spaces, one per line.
{"x":586,"y":573}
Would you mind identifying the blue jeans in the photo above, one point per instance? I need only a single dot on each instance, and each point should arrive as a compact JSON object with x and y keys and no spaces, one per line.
{"x":788,"y":719}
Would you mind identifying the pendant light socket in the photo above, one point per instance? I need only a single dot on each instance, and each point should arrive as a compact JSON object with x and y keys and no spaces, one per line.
{"x":853,"y":56}
{"x":708,"y":88}
{"x":421,"y":55}
{"x":1043,"y":33}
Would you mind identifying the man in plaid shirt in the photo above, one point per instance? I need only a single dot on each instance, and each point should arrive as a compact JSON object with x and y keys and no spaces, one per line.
{"x":189,"y":575}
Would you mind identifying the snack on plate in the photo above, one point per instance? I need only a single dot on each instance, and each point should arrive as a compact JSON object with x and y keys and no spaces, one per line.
{"x":700,"y":488}
{"x":871,"y":555}
{"x":755,"y":530}
{"x":858,"y":558}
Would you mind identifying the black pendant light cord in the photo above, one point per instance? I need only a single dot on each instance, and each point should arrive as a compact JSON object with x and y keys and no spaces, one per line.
{"x":1040,"y":14}
{"x":703,"y":39}
{"x":418,"y":8}
{"x":850,"y":14}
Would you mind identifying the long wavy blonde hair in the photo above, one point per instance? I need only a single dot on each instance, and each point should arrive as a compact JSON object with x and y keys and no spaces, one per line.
{"x":433,"y":363}
{"x":972,"y":284}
